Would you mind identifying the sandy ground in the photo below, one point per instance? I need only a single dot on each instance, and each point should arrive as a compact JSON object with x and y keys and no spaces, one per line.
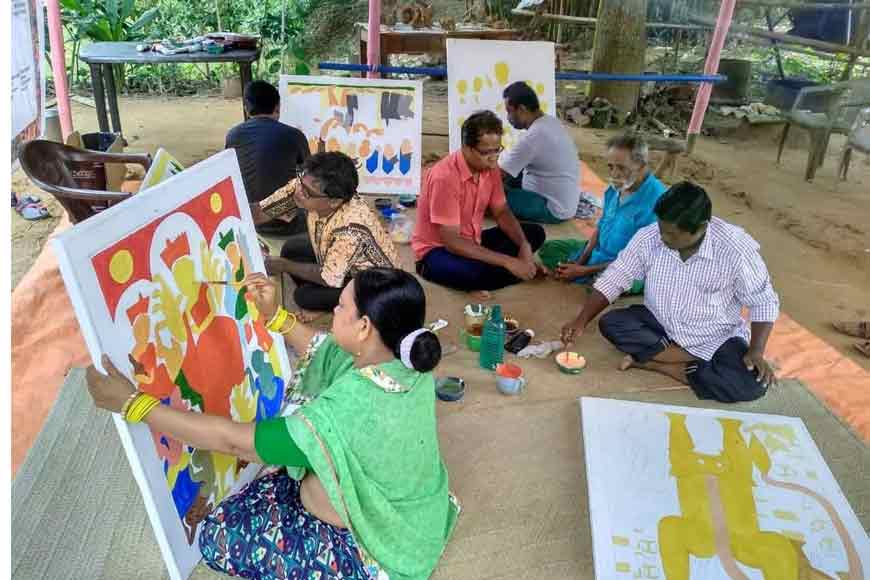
{"x":815,"y":237}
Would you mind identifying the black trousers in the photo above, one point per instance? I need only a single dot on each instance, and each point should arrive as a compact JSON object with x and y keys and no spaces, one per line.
{"x":447,"y":269}
{"x":635,"y":331}
{"x":308,"y":295}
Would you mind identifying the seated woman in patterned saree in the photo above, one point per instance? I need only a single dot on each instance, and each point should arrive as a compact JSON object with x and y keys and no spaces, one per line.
{"x":361,"y":489}
{"x":344,"y":235}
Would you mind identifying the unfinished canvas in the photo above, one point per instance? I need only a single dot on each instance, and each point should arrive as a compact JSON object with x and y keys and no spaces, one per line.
{"x":680,"y":492}
{"x":142,"y":279}
{"x":478,"y":72}
{"x":377,"y":122}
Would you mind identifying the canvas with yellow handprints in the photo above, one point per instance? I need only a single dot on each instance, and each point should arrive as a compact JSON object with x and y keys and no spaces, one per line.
{"x":478,"y":71}
{"x":680,"y":492}
{"x":376,"y":122}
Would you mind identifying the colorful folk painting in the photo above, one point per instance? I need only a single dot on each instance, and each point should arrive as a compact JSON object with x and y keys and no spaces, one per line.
{"x":478,"y":71}
{"x":156,"y":283}
{"x":377,"y":122}
{"x":679,"y":493}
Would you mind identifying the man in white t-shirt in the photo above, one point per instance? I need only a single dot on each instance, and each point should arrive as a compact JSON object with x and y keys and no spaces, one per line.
{"x":545,"y":157}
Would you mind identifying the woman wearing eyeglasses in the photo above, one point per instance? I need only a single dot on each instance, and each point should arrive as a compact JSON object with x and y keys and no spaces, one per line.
{"x":344,"y":235}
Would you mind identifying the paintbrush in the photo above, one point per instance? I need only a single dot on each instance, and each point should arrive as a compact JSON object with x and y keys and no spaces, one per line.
{"x":218,"y":282}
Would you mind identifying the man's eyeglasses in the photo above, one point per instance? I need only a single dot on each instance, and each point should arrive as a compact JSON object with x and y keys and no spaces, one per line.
{"x":308,"y":191}
{"x":489,"y":152}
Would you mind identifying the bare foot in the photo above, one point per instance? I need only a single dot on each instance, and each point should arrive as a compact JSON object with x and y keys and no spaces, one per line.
{"x":627,"y":363}
{"x":481,"y":295}
{"x":309,"y":316}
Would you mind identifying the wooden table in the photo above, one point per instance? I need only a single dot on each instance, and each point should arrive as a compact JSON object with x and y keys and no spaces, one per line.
{"x":100,"y":56}
{"x":426,"y":40}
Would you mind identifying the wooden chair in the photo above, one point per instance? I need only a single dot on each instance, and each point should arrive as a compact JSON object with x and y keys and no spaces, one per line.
{"x":824,"y":111}
{"x":75,"y":177}
{"x":859,"y":138}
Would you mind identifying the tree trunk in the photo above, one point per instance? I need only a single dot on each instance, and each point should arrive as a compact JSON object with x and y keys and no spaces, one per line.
{"x":620,"y":47}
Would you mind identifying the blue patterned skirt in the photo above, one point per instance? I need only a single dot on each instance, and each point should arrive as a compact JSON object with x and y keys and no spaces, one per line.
{"x":264,"y":532}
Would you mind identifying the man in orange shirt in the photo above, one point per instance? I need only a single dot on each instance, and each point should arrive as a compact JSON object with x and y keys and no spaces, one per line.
{"x":449,"y":243}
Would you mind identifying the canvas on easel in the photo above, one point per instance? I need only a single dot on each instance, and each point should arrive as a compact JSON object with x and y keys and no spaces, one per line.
{"x":139,"y":277}
{"x":376,"y":122}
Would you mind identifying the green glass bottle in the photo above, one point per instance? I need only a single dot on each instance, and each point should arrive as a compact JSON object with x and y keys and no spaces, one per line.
{"x":492,"y":339}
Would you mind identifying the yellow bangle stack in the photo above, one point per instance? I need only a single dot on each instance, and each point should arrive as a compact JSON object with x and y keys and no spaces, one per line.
{"x":293,"y":320}
{"x":278,"y":320}
{"x":128,"y":402}
{"x":141,"y":405}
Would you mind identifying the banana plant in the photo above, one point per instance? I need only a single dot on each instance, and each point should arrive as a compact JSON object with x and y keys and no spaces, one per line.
{"x":107,"y":21}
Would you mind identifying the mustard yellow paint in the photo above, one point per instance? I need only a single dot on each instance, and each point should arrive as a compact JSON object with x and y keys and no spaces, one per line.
{"x":786,"y":515}
{"x":462,"y":86}
{"x":121,"y":266}
{"x":796,"y":536}
{"x":173,"y":470}
{"x":545,"y":106}
{"x":216,"y":202}
{"x":166,"y":302}
{"x":539,"y":88}
{"x":478,"y":84}
{"x":692,"y":532}
{"x":502,"y":72}
{"x":244,"y":403}
{"x":620,"y":541}
{"x":623,"y":567}
{"x":224,"y":469}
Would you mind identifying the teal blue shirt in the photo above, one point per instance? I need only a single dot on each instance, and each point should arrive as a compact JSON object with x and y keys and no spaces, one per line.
{"x":620,"y":221}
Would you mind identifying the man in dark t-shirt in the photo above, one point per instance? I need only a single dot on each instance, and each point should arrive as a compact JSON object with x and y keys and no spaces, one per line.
{"x":269,"y":151}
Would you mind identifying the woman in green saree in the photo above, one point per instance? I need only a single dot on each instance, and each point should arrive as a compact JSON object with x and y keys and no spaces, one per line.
{"x":361,"y":491}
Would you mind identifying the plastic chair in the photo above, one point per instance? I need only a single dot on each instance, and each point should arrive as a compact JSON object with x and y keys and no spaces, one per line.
{"x":859,"y":138}
{"x":824,"y":111}
{"x":75,"y":177}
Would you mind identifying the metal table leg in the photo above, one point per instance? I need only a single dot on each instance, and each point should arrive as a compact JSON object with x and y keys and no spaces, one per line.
{"x":245,"y":77}
{"x":99,"y":97}
{"x":109,"y":79}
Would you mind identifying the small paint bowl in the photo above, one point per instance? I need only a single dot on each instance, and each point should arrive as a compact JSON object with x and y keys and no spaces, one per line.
{"x":570,"y":363}
{"x":472,"y":341}
{"x":449,"y":389}
{"x":475,"y":314}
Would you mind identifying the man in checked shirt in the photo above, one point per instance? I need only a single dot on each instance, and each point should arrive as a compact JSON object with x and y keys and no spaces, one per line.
{"x":700,"y":273}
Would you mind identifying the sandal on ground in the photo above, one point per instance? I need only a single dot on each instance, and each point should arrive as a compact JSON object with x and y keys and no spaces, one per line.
{"x":856,"y":328}
{"x":863,"y":348}
{"x":32,"y":210}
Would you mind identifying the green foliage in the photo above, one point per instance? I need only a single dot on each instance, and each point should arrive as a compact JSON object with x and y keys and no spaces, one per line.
{"x":294,"y":33}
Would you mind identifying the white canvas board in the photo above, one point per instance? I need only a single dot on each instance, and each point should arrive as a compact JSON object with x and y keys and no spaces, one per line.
{"x":478,"y":71}
{"x":377,"y":122}
{"x":27,"y":78}
{"x":135,"y":274}
{"x":655,"y":473}
{"x":162,"y":168}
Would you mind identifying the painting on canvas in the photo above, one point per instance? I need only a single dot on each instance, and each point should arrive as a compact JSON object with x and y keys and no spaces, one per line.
{"x":377,"y":122}
{"x":138,"y":275}
{"x":478,"y":71}
{"x":680,"y":492}
{"x":162,"y":168}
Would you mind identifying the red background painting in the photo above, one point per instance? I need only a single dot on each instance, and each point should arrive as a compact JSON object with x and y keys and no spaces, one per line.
{"x":139,"y":242}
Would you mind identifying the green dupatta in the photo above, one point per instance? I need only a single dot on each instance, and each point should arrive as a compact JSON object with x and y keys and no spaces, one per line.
{"x":371,"y":437}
